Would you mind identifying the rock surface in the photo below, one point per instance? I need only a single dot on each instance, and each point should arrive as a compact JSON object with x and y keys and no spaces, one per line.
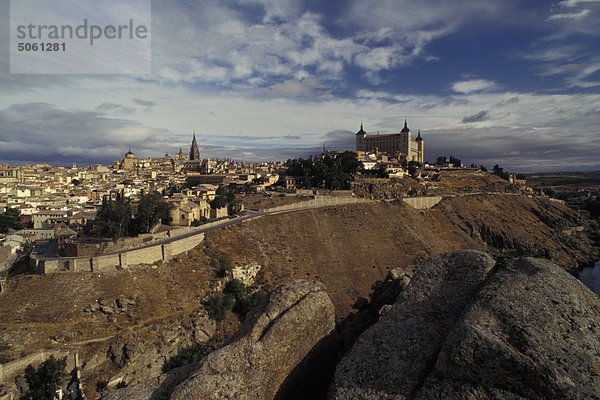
{"x":464,"y":330}
{"x":392,"y":358}
{"x":273,"y":340}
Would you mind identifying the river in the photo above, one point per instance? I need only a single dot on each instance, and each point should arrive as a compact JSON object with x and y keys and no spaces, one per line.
{"x":590,"y":276}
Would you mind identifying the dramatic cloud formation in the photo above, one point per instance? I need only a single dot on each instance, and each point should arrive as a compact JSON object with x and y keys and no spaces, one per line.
{"x":480,"y":116}
{"x":515,"y":83}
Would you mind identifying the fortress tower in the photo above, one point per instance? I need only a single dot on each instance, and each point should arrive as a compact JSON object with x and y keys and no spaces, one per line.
{"x":399,"y":144}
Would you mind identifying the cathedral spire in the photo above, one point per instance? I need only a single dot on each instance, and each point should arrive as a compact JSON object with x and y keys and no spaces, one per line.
{"x":405,"y":129}
{"x":361,"y":131}
{"x":194,"y":152}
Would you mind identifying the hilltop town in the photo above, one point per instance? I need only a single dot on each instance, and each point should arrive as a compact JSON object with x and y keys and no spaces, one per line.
{"x":189,"y":276}
{"x":59,"y":204}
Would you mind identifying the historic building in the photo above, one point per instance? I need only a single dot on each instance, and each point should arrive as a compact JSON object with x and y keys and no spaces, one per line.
{"x":130,"y":161}
{"x":399,"y":145}
{"x":194,"y":152}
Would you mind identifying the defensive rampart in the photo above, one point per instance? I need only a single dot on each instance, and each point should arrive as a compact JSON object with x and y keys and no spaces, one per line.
{"x":318,"y":201}
{"x":422,"y":203}
{"x":10,"y":370}
{"x":121,"y":260}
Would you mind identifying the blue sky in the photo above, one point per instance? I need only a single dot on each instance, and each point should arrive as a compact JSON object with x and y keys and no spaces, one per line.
{"x":515,"y":83}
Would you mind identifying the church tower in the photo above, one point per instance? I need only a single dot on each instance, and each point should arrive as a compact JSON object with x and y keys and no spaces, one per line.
{"x":360,"y":136}
{"x":194,"y":152}
{"x":419,"y":141}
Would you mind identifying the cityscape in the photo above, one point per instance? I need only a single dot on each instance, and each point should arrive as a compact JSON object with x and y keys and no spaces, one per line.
{"x":294,"y":199}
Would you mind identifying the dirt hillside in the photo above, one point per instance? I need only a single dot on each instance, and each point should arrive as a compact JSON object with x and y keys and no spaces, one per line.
{"x":347,"y":248}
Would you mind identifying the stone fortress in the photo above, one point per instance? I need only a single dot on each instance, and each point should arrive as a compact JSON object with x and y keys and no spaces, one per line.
{"x":398,"y":145}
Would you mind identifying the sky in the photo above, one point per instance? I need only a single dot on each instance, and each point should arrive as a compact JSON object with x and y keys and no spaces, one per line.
{"x":513,"y":82}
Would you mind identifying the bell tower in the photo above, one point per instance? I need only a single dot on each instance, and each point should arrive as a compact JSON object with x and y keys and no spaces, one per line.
{"x":194,"y":152}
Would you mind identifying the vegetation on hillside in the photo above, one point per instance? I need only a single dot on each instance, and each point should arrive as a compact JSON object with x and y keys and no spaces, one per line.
{"x":44,"y":380}
{"x":151,"y":209}
{"x":116,"y":218}
{"x":186,"y":356}
{"x":226,"y":198}
{"x":333,"y":171}
{"x":236,"y":297}
{"x":10,"y":220}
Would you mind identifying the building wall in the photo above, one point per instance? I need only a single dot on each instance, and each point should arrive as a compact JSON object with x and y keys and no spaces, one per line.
{"x":105,"y":263}
{"x":218,"y":213}
{"x":10,"y":370}
{"x":392,"y":144}
{"x":319,"y":201}
{"x":120,"y":260}
{"x":422,"y":203}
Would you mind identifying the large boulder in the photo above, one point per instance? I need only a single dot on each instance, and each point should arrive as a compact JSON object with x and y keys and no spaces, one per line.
{"x":273,"y":340}
{"x":524,"y":330}
{"x":393,"y":357}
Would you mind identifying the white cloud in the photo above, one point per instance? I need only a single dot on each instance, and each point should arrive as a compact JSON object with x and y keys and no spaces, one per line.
{"x":573,"y":3}
{"x":278,"y":10}
{"x":572,"y":16}
{"x":306,"y":88}
{"x":228,"y":120}
{"x":473,"y":85}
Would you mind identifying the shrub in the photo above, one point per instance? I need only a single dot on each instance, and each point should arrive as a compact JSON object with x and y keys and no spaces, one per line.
{"x":236,"y":288}
{"x":224,"y":267}
{"x":248,"y":302}
{"x":44,"y":380}
{"x":217,"y":305}
{"x":187,"y":356}
{"x":101,"y":386}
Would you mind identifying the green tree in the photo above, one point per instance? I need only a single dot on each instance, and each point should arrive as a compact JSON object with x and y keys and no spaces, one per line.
{"x":248,"y":302}
{"x":217,"y":305}
{"x":114,"y":217}
{"x":499,"y":171}
{"x":483,"y":168}
{"x":441,"y":160}
{"x":222,"y":266}
{"x":234,"y":208}
{"x":45,"y":380}
{"x":10,"y":219}
{"x":151,"y":209}
{"x":236,"y":288}
{"x":549,"y":192}
{"x":333,"y":171}
{"x":413,"y":167}
{"x":186,"y":356}
{"x":218,"y":202}
{"x":455,"y":161}
{"x":75,"y":182}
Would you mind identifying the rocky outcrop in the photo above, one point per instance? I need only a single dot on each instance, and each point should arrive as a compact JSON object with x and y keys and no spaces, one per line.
{"x":273,"y":340}
{"x":463,"y":329}
{"x":393,"y":357}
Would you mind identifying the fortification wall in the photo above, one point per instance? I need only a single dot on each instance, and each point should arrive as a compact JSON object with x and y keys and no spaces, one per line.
{"x":318,"y":201}
{"x":422,"y":203}
{"x":146,"y":255}
{"x":105,"y":263}
{"x":180,"y":246}
{"x":120,"y":260}
{"x":10,"y":370}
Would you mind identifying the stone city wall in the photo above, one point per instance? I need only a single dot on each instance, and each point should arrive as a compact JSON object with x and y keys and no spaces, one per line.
{"x":10,"y":370}
{"x":319,"y":201}
{"x":422,"y":203}
{"x":120,"y":260}
{"x":104,"y":263}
